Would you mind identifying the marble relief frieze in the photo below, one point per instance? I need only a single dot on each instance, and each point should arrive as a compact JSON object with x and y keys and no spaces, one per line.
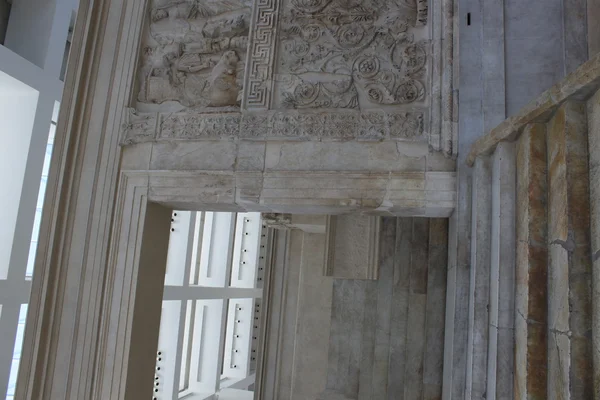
{"x":306,"y":69}
{"x":194,"y":53}
{"x":352,"y":53}
{"x":365,"y":125}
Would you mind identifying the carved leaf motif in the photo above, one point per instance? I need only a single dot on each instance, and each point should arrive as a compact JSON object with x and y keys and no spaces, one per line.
{"x":338,"y":93}
{"x":367,"y":40}
{"x":409,"y":59}
{"x":310,"y":6}
{"x":371,"y":125}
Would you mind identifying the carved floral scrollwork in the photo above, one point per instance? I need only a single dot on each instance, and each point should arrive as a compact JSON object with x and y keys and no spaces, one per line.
{"x":289,"y":124}
{"x":367,"y":44}
{"x":139,"y":127}
{"x":408,"y":59}
{"x":310,"y":6}
{"x":339,"y":93}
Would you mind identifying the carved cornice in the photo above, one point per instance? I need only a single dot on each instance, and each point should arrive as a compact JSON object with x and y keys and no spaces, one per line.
{"x":365,"y":125}
{"x":277,"y":220}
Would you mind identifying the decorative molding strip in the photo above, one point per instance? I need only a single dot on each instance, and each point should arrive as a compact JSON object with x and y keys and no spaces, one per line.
{"x":366,"y":125}
{"x":443,"y":104}
{"x":259,"y":67}
{"x":277,"y":220}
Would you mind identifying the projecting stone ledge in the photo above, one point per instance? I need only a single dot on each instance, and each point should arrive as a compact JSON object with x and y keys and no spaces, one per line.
{"x":429,"y":194}
{"x":579,"y":85}
{"x":385,"y":178}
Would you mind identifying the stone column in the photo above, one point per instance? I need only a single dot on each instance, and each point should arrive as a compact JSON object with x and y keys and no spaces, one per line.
{"x":436,"y":308}
{"x":139,"y":340}
{"x":569,"y":283}
{"x":78,"y":309}
{"x":477,"y":351}
{"x":532,"y":266}
{"x":502,"y":275}
{"x":593,"y":29}
{"x":593,"y":113}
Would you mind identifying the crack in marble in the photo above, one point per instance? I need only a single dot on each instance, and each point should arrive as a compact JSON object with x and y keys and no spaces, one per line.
{"x":559,"y":332}
{"x":528,"y":320}
{"x":596,"y":256}
{"x":569,"y":244}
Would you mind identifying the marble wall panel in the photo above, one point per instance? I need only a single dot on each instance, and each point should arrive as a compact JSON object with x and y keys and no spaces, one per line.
{"x":531,"y":295}
{"x":570,"y":271}
{"x":397,"y":322}
{"x":593,"y":112}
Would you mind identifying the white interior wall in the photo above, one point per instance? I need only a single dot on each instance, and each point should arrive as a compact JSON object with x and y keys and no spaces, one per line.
{"x":31,"y":58}
{"x":209,"y":306}
{"x":18,"y":103}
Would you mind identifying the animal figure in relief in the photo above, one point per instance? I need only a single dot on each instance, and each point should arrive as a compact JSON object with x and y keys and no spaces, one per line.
{"x":223,"y":90}
{"x":194,"y":52}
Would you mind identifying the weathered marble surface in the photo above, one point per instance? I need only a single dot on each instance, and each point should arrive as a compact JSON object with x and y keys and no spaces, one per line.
{"x":304,"y":193}
{"x":193,"y":53}
{"x":593,"y":30}
{"x":435,"y":312}
{"x":531,"y":295}
{"x":363,"y":54}
{"x":303,"y":177}
{"x":306,"y":223}
{"x":246,"y":155}
{"x":387,"y":335}
{"x":306,"y":300}
{"x":579,"y":85}
{"x":593,"y":113}
{"x":477,"y":350}
{"x":575,"y":33}
{"x":280,"y":68}
{"x":352,"y":247}
{"x":502,"y":274}
{"x":570,"y":369}
{"x":366,"y":125}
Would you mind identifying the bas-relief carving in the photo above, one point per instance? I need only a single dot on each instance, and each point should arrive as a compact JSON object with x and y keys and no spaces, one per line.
{"x":352,"y":53}
{"x":365,"y":125}
{"x":369,"y":57}
{"x":194,"y":52}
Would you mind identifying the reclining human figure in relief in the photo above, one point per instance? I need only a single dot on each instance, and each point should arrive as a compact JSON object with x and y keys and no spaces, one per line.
{"x":193,"y":53}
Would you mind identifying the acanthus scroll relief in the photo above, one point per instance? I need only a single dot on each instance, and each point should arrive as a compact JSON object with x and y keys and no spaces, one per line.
{"x":316,"y":69}
{"x":352,"y":53}
{"x":194,"y":52}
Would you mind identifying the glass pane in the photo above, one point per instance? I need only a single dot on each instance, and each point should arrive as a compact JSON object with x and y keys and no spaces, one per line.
{"x":40,"y":202}
{"x":31,"y":259}
{"x":14,"y":368}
